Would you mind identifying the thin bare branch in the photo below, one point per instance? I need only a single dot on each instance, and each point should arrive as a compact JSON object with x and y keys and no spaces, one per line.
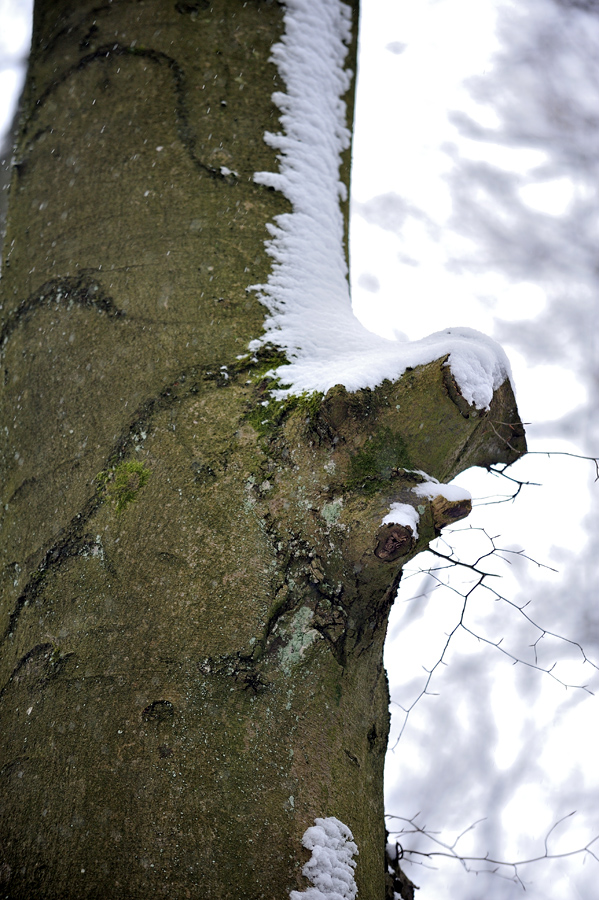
{"x":477,"y":864}
{"x":481,"y":578}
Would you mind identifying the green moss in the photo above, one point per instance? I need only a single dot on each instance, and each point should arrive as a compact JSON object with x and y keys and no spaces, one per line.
{"x":122,"y":484}
{"x":259,"y":364}
{"x":269,"y":414}
{"x":266,"y":415}
{"x":374,"y":463}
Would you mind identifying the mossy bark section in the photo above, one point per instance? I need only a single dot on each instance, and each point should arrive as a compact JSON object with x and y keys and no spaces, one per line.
{"x":188,"y":679}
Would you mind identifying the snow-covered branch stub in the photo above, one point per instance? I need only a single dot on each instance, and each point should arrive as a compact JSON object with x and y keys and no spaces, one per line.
{"x":399,"y":527}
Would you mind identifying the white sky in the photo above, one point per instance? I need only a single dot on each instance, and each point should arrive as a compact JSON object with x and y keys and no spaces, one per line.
{"x":402,"y":125}
{"x":498,"y":741}
{"x":15,"y":32}
{"x":414,"y":59}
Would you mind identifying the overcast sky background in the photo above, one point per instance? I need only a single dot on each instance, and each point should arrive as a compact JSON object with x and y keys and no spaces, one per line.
{"x":475,"y":195}
{"x":475,"y":189}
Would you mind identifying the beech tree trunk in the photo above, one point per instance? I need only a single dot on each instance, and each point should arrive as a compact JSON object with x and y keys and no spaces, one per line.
{"x":195,"y":584}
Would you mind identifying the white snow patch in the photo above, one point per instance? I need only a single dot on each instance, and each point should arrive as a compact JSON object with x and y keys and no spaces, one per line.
{"x":433,"y":488}
{"x":331,"y":867}
{"x":307,"y":291}
{"x":403,"y":514}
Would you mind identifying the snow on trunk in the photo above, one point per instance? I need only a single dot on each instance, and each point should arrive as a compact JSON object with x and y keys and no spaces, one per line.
{"x":331,"y":866}
{"x":307,"y":292}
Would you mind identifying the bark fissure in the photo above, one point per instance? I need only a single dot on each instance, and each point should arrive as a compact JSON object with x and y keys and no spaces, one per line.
{"x":72,"y":544}
{"x":41,"y":662}
{"x":109,"y":51}
{"x":82,"y":290}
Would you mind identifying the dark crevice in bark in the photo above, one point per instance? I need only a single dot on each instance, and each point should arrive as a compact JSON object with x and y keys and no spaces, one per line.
{"x":72,"y":543}
{"x":184,"y":130}
{"x":302,"y":568}
{"x":7,"y":769}
{"x":158,"y":711}
{"x":42,"y":662}
{"x":330,"y":621}
{"x":330,"y":617}
{"x":92,"y":14}
{"x":79,"y":290}
{"x":192,"y":8}
{"x":24,"y":484}
{"x":373,"y":616}
{"x":241,"y":667}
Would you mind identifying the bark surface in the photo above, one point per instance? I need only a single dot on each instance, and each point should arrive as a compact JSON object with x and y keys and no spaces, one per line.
{"x":195,"y":584}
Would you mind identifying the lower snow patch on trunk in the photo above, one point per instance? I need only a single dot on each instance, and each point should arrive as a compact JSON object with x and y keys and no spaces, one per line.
{"x":331,"y":867}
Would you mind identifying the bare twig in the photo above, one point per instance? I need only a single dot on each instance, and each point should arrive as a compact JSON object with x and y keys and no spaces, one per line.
{"x":476,"y":864}
{"x":500,"y":470}
{"x":482,"y":576}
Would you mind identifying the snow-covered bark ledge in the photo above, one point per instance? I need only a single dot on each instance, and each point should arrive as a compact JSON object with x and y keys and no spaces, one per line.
{"x":307,"y":292}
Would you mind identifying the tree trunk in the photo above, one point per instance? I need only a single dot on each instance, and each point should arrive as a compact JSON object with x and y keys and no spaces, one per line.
{"x":195,"y":584}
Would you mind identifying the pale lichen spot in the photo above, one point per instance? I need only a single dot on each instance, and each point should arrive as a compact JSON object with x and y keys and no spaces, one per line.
{"x":331,"y":511}
{"x":299,"y":636}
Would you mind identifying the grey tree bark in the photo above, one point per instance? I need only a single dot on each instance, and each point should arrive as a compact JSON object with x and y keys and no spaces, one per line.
{"x":195,"y":586}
